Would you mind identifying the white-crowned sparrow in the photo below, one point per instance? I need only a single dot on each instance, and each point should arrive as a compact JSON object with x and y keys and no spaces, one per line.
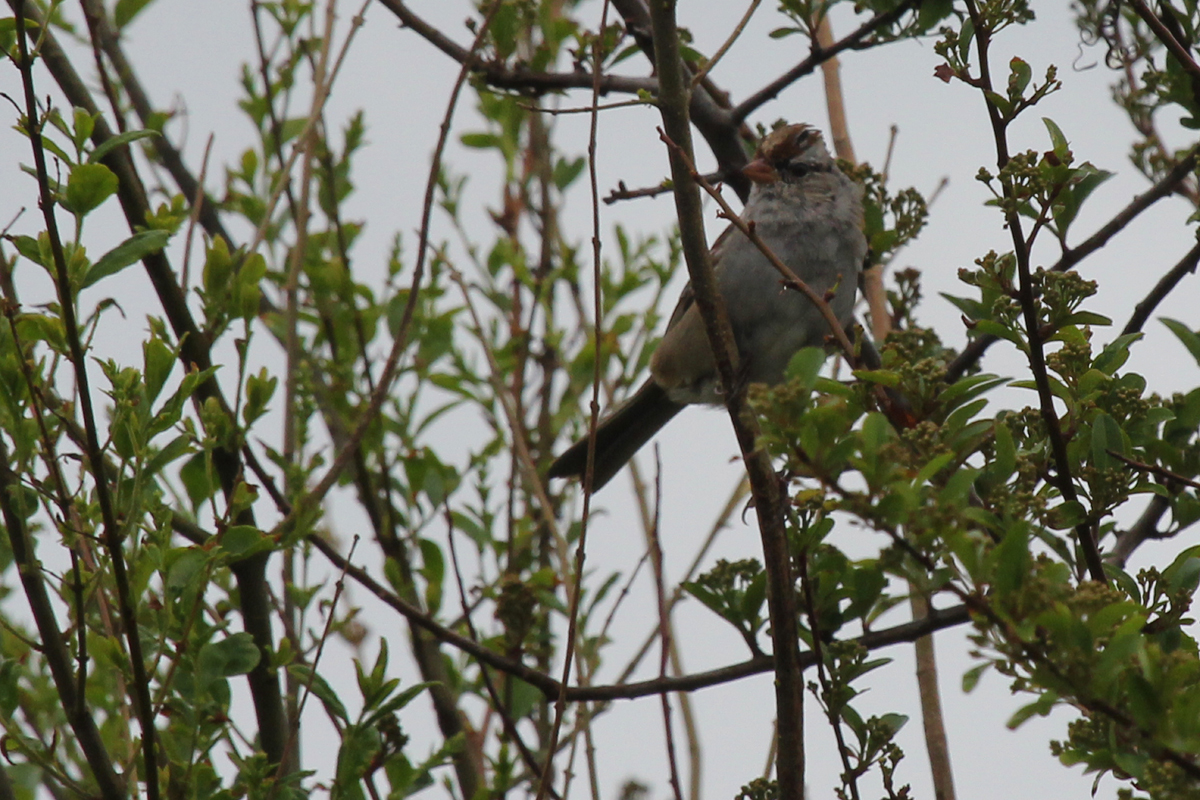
{"x":810,"y":215}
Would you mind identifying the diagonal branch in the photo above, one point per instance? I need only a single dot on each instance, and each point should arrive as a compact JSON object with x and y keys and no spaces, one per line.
{"x":855,"y":40}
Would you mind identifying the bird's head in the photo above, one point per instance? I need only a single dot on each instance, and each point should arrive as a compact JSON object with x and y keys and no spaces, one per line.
{"x":788,"y":154}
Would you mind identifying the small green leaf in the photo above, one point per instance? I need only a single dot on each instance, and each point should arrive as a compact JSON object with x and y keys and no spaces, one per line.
{"x":1012,"y":560}
{"x":126,"y":10}
{"x":1019,"y":78}
{"x":1186,"y":335}
{"x":480,"y":141}
{"x":240,"y":541}
{"x":806,"y":364}
{"x":157,"y":360}
{"x":884,"y":377}
{"x":88,"y":186}
{"x":1057,"y":139}
{"x":1107,"y":435}
{"x":1040,"y":707}
{"x":237,"y":654}
{"x":1006,"y":454}
{"x":1067,"y":515}
{"x":306,"y":677}
{"x":970,"y":678}
{"x":84,"y":124}
{"x":565,"y":172}
{"x":130,"y":251}
{"x":116,"y":141}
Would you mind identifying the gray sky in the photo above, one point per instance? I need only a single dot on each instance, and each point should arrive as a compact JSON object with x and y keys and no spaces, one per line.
{"x":190,"y":55}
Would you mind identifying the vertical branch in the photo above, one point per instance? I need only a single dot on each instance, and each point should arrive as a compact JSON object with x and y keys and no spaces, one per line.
{"x":832,"y":712}
{"x":589,"y":470}
{"x":1029,"y":308}
{"x":664,"y":627}
{"x":781,"y":593}
{"x":113,"y":535}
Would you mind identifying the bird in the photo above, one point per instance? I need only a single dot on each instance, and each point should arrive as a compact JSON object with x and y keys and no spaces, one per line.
{"x":809,"y":213}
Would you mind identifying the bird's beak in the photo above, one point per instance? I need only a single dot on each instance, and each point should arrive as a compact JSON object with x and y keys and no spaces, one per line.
{"x":760,"y":171}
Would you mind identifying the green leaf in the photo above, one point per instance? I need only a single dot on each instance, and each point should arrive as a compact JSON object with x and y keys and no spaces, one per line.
{"x":885,"y":377}
{"x":130,"y":251}
{"x":305,"y":676}
{"x":1005,"y":461}
{"x":970,"y":678}
{"x":1107,"y":435}
{"x":1115,"y":354}
{"x":399,"y":701}
{"x":933,"y":467}
{"x":1012,"y":560}
{"x":565,"y":172}
{"x":1059,"y":141}
{"x":114,"y":142}
{"x":84,"y":124}
{"x":126,"y":10}
{"x":806,"y":364}
{"x":179,"y":446}
{"x":1021,"y":73}
{"x":1067,"y":515}
{"x":240,"y":541}
{"x":876,"y":432}
{"x":965,"y":37}
{"x":480,"y":141}
{"x":157,"y":360}
{"x":1186,"y":335}
{"x":1088,"y":318}
{"x":932,"y":12}
{"x":237,"y":654}
{"x":1040,"y":707}
{"x":88,"y":186}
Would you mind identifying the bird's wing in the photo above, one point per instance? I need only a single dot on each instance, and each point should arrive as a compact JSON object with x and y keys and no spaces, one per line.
{"x":687,"y":297}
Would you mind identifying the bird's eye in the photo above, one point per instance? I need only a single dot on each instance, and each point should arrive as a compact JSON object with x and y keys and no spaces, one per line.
{"x":797,"y":169}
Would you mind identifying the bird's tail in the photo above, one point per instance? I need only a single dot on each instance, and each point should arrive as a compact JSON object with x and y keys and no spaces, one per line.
{"x":619,"y":436}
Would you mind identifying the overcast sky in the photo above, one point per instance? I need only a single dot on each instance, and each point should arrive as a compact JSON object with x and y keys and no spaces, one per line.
{"x":190,"y":54}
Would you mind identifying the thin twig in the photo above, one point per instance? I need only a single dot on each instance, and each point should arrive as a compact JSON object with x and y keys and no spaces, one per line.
{"x":664,"y":627}
{"x":501,"y":709}
{"x":849,"y":775}
{"x":1162,"y":472}
{"x":550,"y":687}
{"x":851,"y":41}
{"x":194,"y":217}
{"x":589,"y":471}
{"x":724,"y":48}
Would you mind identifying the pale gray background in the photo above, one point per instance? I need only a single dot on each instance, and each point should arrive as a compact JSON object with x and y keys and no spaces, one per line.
{"x":190,"y":56}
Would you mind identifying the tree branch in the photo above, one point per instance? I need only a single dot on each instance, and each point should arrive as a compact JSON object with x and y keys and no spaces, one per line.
{"x":53,"y":646}
{"x":768,"y":502}
{"x":819,"y":54}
